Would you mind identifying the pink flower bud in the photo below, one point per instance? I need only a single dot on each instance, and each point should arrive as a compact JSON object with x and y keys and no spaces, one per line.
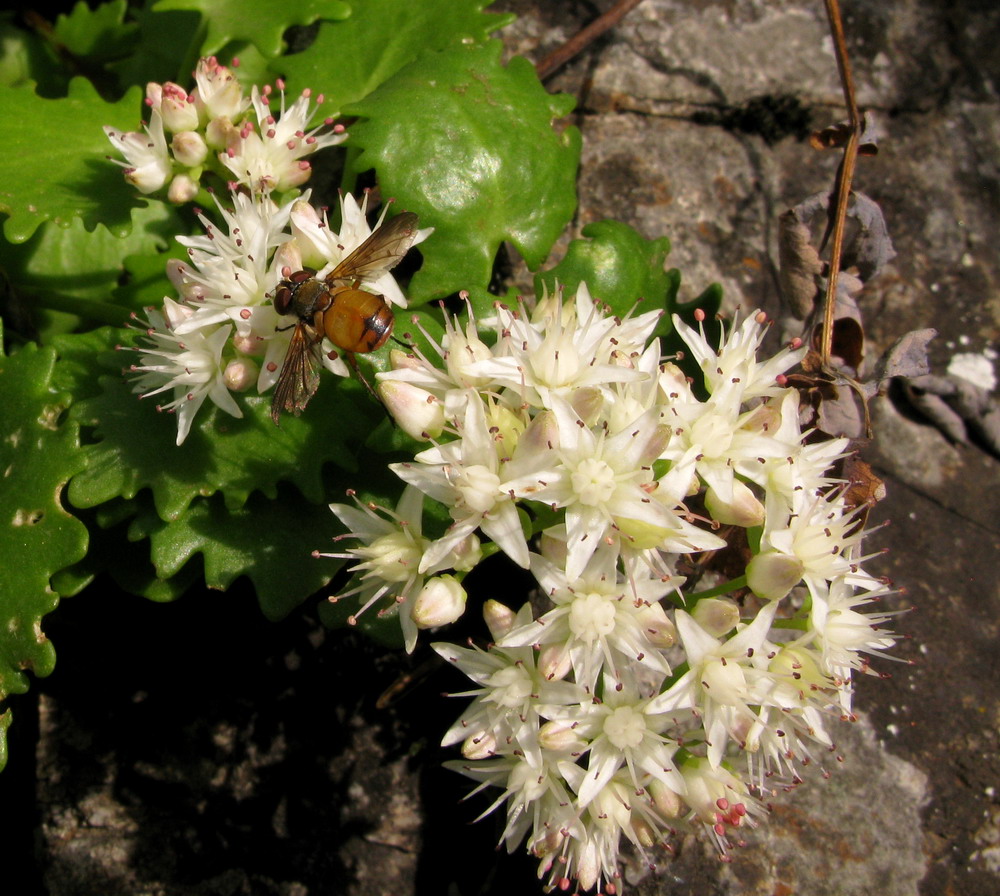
{"x":554,"y":662}
{"x":189,"y":148}
{"x":717,"y":616}
{"x":499,"y":618}
{"x":240,"y":374}
{"x":416,"y":411}
{"x":771,"y":575}
{"x":178,"y":110}
{"x":742,"y":510}
{"x":182,"y":189}
{"x":220,"y":133}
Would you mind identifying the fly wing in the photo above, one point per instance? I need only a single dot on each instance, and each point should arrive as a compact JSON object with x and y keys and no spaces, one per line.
{"x":379,"y":253}
{"x":299,"y":376}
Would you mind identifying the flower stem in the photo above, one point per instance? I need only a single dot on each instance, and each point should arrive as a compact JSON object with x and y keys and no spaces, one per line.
{"x":724,"y":588}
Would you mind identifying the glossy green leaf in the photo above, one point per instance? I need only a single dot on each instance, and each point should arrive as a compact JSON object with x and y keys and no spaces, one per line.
{"x":38,"y":454}
{"x":350,"y":58}
{"x":127,"y":561}
{"x":145,"y":282}
{"x":55,"y":160}
{"x":263,"y":24}
{"x":619,"y":266}
{"x":469,"y":144}
{"x":167,"y":47}
{"x":75,"y":270}
{"x":269,"y":540}
{"x":97,"y":35}
{"x":26,"y":57}
{"x":133,"y":447}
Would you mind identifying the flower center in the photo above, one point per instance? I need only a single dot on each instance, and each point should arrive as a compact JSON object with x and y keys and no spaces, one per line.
{"x":625,"y":728}
{"x":593,"y":482}
{"x":725,"y":682}
{"x":591,"y":616}
{"x":713,"y":433}
{"x":510,"y":687}
{"x":479,"y":488}
{"x":556,"y":361}
{"x":393,"y":557}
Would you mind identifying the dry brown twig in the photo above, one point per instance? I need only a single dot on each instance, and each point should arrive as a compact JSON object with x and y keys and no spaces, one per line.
{"x":845,"y":174}
{"x":583,"y":38}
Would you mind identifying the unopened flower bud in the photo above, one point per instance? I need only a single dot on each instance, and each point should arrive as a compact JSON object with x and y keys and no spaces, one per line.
{"x":717,"y":616}
{"x":218,"y":92}
{"x":480,"y":746}
{"x":771,"y":575}
{"x":440,"y":601}
{"x":499,"y":618}
{"x":554,"y":662}
{"x":588,"y":870}
{"x":305,"y":220}
{"x":644,"y":833}
{"x":249,"y":344}
{"x":587,"y":401}
{"x":641,"y":535}
{"x":154,"y":95}
{"x":240,"y":374}
{"x":542,"y":433}
{"x":288,"y":255}
{"x":178,"y":109}
{"x":560,"y":737}
{"x":659,"y":628}
{"x":743,"y":510}
{"x":416,"y":411}
{"x":667,"y":801}
{"x":553,"y":547}
{"x":220,"y":132}
{"x":182,"y":189}
{"x":189,"y":148}
{"x":466,"y":554}
{"x":655,"y":444}
{"x":400,"y":360}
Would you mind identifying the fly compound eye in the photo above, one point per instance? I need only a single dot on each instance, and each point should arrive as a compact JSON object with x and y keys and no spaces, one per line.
{"x":283,"y":298}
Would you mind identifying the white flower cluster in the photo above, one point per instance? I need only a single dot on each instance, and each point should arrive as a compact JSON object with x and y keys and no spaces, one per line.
{"x":632,"y":704}
{"x":224,"y":334}
{"x":215,"y":128}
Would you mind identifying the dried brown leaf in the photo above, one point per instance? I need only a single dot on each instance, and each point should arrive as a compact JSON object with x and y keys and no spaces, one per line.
{"x":836,"y":136}
{"x":799,"y":265}
{"x":864,"y":487}
{"x":906,"y":357}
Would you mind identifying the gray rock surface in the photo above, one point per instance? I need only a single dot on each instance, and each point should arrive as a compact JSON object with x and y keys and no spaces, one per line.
{"x":693,"y":115}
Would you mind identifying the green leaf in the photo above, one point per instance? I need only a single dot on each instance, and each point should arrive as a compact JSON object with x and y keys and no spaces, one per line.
{"x":167,"y":48}
{"x":25,"y":57}
{"x":127,"y":561}
{"x":263,"y":23}
{"x":146,"y":282}
{"x":75,"y":270}
{"x":99,"y":34}
{"x":133,"y":447}
{"x":619,"y":266}
{"x":38,"y":454}
{"x":270,"y":541}
{"x":55,"y":160}
{"x":379,"y":39}
{"x":469,"y":145}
